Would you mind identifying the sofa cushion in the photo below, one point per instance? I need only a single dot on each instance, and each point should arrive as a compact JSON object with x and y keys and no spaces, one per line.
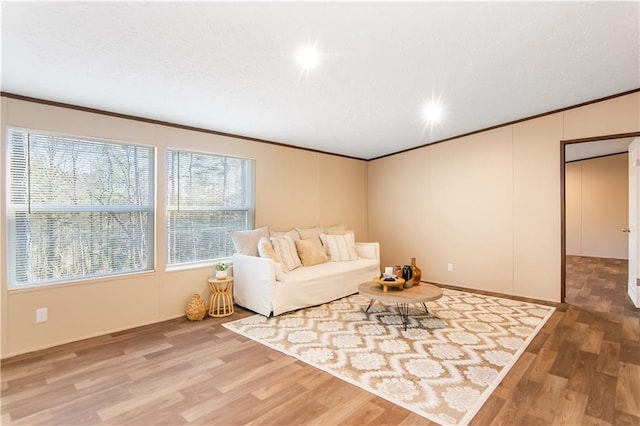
{"x":321,"y":283}
{"x":311,"y":251}
{"x":340,"y":248}
{"x":246,"y":242}
{"x":329,"y":270}
{"x":285,"y":248}
{"x":339,"y":232}
{"x":309,"y":232}
{"x":291,"y":233}
{"x":334,"y":229}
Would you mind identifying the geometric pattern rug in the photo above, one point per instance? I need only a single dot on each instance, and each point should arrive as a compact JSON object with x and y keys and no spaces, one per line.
{"x":443,"y":367}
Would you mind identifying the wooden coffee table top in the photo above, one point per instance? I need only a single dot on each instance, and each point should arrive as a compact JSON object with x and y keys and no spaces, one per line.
{"x":417,"y":294}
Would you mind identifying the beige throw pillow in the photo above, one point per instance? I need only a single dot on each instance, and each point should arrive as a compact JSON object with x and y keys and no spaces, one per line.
{"x":311,"y":251}
{"x":246,"y":242}
{"x":265,"y":249}
{"x":285,"y":248}
{"x":340,"y":248}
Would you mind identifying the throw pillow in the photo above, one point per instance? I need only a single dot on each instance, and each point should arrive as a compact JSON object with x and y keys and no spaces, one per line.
{"x":265,"y":249}
{"x":311,"y":251}
{"x":246,"y":242}
{"x":285,"y":248}
{"x":309,"y":232}
{"x":340,"y":248}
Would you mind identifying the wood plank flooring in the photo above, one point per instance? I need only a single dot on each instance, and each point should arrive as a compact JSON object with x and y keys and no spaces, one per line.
{"x":582,"y":368}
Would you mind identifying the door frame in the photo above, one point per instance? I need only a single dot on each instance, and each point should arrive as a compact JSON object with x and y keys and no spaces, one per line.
{"x":563,"y":207}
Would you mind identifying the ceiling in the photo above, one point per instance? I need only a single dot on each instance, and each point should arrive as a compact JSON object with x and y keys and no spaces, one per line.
{"x":585,"y":150}
{"x":230,"y":66}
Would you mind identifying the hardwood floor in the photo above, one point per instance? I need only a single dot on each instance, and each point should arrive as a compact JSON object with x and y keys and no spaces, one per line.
{"x":582,"y":368}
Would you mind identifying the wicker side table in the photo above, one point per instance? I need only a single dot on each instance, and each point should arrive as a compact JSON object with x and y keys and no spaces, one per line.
{"x":221,"y":303}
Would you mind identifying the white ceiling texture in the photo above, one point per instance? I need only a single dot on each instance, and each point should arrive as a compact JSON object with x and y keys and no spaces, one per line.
{"x":230,"y":66}
{"x":584,"y":150}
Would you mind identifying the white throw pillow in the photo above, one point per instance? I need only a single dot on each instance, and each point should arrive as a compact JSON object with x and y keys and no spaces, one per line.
{"x":340,"y":248}
{"x":246,"y":242}
{"x":285,"y":248}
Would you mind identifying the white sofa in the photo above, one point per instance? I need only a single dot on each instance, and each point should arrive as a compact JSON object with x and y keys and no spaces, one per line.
{"x":256,"y":287}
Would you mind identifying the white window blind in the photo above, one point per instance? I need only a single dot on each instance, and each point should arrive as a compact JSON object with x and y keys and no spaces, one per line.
{"x":77,"y":208}
{"x":207,"y":196}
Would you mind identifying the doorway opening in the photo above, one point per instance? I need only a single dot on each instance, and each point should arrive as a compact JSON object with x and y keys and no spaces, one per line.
{"x":592,"y":255}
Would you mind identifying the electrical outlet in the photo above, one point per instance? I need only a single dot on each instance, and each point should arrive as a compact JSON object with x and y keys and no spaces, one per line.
{"x":450,"y":267}
{"x":42,"y":314}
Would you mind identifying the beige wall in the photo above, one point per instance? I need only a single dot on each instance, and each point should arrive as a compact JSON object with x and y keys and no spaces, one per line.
{"x":597,"y":207}
{"x":430,"y":220}
{"x":488,"y":203}
{"x":294,"y":187}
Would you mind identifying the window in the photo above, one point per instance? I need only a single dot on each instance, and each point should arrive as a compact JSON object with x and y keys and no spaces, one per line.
{"x":207,"y":196}
{"x":77,"y":208}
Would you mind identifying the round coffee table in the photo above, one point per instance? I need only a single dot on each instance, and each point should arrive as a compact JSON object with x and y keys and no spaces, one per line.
{"x":422,"y":294}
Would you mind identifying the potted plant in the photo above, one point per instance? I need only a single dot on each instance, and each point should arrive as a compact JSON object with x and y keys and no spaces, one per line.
{"x":221,"y":270}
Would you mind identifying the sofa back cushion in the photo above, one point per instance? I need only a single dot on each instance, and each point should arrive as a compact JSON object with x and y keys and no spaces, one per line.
{"x":306,"y":233}
{"x":291,"y":233}
{"x":334,"y":229}
{"x":246,"y":242}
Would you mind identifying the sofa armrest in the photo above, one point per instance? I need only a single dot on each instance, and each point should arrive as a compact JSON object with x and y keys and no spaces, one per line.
{"x":368,"y":250}
{"x":254,"y":282}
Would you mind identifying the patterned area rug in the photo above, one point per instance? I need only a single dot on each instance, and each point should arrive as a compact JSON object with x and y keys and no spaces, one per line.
{"x":443,"y":367}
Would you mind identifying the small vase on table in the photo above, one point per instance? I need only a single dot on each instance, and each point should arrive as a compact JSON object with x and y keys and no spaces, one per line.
{"x":417,"y":272}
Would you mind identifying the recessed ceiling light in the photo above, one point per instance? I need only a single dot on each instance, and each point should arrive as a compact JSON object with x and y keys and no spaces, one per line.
{"x":433,"y":111}
{"x":308,"y":58}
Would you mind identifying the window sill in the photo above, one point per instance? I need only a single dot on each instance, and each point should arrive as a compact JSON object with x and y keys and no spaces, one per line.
{"x":78,"y":282}
{"x":198,"y":265}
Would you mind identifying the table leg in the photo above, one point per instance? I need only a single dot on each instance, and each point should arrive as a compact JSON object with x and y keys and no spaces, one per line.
{"x":371,"y":302}
{"x":403,"y":310}
{"x":425,"y":307}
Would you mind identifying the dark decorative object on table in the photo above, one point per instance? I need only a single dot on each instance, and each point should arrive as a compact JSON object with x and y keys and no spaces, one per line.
{"x":407,"y":274}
